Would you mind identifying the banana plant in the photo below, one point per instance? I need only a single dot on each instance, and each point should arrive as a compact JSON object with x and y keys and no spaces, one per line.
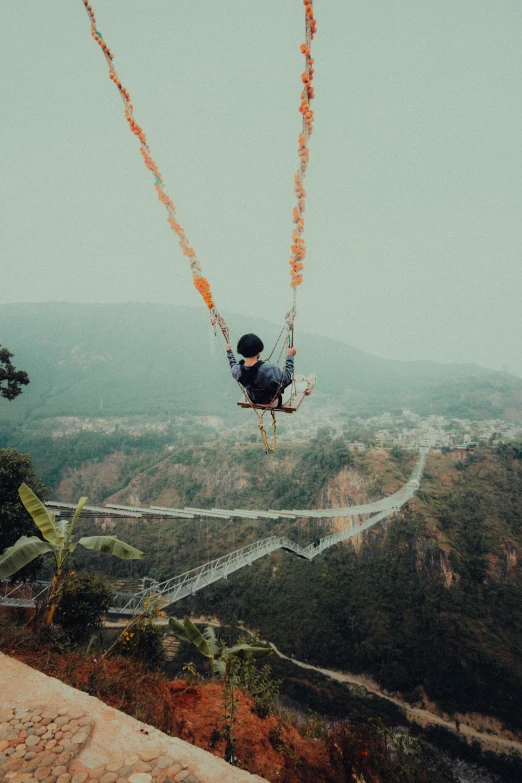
{"x":58,"y":539}
{"x":207,"y":644}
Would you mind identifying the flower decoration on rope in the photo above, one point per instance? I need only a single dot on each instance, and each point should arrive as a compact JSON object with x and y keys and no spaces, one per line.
{"x":298,"y":248}
{"x":202,"y":285}
{"x":307,"y":95}
{"x":200,"y":282}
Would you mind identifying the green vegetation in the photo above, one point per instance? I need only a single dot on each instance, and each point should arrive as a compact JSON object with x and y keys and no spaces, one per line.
{"x":17,"y":469}
{"x":229,"y":707}
{"x":369,"y":745}
{"x":361,"y":747}
{"x":82,"y":602}
{"x":241,"y":477}
{"x":320,"y":461}
{"x":143,"y":641}
{"x":434,"y":602}
{"x":235,"y":666}
{"x":11,"y":379}
{"x":310,"y":693}
{"x":58,"y":539}
{"x":219,"y":655}
{"x":429,"y":604}
{"x":260,"y":683}
{"x":54,"y":457}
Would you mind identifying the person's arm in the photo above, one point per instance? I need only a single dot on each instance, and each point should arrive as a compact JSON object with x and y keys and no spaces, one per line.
{"x":288,"y":372}
{"x":272,"y":372}
{"x":235,"y":368}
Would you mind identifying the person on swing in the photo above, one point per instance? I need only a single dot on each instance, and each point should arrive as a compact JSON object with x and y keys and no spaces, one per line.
{"x":263,"y":382}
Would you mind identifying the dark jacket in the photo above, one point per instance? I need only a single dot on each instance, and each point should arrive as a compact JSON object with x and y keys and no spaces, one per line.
{"x":264,"y":380}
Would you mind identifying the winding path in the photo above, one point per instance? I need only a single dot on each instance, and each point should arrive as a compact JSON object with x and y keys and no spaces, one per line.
{"x":416,"y":714}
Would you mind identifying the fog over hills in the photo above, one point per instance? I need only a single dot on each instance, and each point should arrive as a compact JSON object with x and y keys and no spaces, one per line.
{"x":136,"y":358}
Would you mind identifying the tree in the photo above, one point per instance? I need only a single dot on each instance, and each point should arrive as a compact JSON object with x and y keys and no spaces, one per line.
{"x":17,"y":469}
{"x":10,"y":376}
{"x":58,"y":539}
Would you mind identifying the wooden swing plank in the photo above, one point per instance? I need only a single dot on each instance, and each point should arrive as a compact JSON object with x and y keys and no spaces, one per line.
{"x":291,"y":406}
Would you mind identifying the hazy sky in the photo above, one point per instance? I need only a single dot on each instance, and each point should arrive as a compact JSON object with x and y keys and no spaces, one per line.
{"x":414,"y":189}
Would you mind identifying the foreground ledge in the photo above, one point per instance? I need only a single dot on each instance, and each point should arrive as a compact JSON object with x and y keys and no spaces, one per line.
{"x":114,"y":736}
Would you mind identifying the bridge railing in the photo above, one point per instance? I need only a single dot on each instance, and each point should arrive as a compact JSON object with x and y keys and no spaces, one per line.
{"x":22,"y":593}
{"x":191,"y":581}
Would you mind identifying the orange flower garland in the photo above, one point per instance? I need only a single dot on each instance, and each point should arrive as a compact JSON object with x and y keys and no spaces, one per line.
{"x":203,"y":287}
{"x":201,"y":283}
{"x":307,"y":95}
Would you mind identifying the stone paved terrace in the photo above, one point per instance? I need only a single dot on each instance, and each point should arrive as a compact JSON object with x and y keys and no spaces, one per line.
{"x":52,"y":733}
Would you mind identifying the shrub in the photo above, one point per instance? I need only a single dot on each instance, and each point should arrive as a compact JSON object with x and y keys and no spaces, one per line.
{"x":261,"y":685}
{"x":143,"y":642}
{"x":257,"y":680}
{"x":82,"y":602}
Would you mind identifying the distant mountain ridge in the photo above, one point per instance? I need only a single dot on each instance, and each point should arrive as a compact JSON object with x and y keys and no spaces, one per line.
{"x":131,"y":359}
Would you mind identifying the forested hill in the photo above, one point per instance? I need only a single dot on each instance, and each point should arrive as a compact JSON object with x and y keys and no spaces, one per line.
{"x":129,"y":359}
{"x":429,"y":603}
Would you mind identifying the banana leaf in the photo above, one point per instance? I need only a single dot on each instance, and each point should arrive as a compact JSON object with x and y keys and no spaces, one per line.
{"x":211,"y":640}
{"x":196,"y":637}
{"x":245,"y":651}
{"x":110,"y":545}
{"x":62,"y":526}
{"x":219,"y":667}
{"x":23,"y":552}
{"x":41,"y":517}
{"x":193,"y":635}
{"x":82,"y":501}
{"x":178,"y":629}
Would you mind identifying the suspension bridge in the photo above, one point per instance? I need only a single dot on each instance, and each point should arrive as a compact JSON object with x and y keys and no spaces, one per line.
{"x":190,"y":582}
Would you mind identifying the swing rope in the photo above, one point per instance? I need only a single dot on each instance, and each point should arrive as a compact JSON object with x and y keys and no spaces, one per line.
{"x":307,"y":95}
{"x":298,"y":247}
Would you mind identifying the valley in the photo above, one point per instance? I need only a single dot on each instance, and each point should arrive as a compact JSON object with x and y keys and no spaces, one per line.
{"x":420,"y":615}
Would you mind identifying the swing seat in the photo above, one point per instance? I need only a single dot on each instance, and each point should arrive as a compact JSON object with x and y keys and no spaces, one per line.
{"x":291,"y":405}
